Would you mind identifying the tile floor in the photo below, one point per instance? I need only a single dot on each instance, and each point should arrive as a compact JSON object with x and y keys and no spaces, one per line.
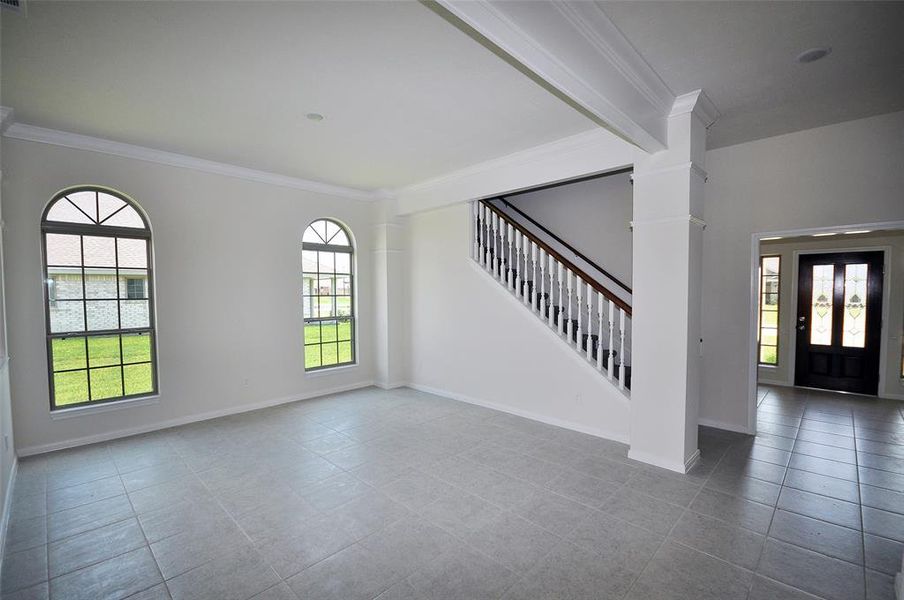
{"x":400,"y":494}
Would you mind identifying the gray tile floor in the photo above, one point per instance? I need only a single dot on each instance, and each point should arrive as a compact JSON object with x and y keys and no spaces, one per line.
{"x":401,"y":494}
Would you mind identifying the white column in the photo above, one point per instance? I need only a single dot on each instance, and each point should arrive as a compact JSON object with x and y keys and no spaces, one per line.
{"x":666,"y":343}
{"x":390,"y":297}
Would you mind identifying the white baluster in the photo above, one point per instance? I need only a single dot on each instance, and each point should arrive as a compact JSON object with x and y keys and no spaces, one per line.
{"x":507,"y":249}
{"x":535,"y":288}
{"x":500,"y":263}
{"x":552,"y":295}
{"x":542,"y":302}
{"x":561,"y":316}
{"x":599,"y":338}
{"x":621,"y":349}
{"x":569,"y":330}
{"x":475,"y":243}
{"x":611,"y":338}
{"x":580,"y":304}
{"x":484,"y":236}
{"x":493,"y":242}
{"x":588,"y":352}
{"x":519,"y":270}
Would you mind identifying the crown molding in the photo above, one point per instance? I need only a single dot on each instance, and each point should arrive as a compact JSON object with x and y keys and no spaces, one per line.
{"x":608,"y":40}
{"x":42,"y":135}
{"x":698,"y":103}
{"x":574,"y":48}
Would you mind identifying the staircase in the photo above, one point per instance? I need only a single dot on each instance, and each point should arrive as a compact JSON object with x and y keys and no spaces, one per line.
{"x":589,"y":318}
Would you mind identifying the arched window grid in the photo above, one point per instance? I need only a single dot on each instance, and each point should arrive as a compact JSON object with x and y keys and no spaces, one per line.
{"x":99,"y":298}
{"x":328,"y":296}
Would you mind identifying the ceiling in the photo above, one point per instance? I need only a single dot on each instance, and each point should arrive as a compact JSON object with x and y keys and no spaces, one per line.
{"x":743,"y":55}
{"x":406,"y":95}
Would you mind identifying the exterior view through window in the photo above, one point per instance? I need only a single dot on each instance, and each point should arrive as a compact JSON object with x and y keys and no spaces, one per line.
{"x":99,"y":310}
{"x":328,"y":295}
{"x":767,"y":317}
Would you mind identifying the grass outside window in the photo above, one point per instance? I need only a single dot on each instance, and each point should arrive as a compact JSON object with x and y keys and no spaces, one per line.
{"x":89,"y":368}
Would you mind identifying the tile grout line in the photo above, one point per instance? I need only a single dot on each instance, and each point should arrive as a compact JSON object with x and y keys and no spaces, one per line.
{"x":665,"y":538}
{"x":860,"y":511}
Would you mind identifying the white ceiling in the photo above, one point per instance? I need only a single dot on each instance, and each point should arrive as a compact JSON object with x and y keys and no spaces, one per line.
{"x":406,"y":95}
{"x":742,"y":54}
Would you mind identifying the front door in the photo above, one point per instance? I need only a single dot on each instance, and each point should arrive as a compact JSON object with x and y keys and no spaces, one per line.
{"x":839,"y":321}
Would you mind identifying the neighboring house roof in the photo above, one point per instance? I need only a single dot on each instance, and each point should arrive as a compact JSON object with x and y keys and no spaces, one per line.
{"x":65,"y":250}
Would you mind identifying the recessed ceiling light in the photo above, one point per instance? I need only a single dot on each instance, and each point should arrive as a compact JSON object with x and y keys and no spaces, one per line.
{"x":828,"y":233}
{"x":314,"y":116}
{"x":858,"y":231}
{"x":813,"y":54}
{"x":769,"y":239}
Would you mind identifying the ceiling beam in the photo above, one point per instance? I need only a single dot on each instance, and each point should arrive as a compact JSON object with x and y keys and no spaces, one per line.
{"x":573,"y":48}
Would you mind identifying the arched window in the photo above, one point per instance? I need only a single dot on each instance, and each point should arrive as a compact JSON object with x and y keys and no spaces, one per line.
{"x":99,"y":298}
{"x":328,"y":295}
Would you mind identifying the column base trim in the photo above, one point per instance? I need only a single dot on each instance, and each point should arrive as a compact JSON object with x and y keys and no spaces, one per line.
{"x":664,"y":463}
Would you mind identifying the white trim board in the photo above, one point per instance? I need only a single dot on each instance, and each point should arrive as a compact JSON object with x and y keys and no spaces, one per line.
{"x":590,"y":152}
{"x":205,"y":416}
{"x":575,"y":49}
{"x":7,"y":506}
{"x":54,"y":137}
{"x":600,"y":433}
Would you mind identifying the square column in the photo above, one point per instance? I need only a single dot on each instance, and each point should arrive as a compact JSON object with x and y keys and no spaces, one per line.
{"x":668,"y":255}
{"x":390,"y":298}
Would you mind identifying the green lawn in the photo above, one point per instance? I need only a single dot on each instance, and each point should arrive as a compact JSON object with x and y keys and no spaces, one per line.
{"x":327,"y":343}
{"x":100,"y":361}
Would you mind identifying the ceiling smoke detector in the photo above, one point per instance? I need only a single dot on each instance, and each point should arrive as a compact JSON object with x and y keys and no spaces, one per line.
{"x":813,"y":54}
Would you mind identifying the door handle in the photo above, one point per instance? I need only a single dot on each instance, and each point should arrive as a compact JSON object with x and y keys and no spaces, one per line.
{"x":801,"y":327}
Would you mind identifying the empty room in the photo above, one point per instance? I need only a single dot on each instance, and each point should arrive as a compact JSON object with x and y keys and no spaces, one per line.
{"x":451,"y":300}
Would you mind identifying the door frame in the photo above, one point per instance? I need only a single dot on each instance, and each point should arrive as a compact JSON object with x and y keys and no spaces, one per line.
{"x":886,"y":299}
{"x":755,"y":239}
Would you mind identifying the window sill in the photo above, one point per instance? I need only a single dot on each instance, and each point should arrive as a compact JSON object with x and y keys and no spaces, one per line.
{"x":330,"y":370}
{"x":766,"y":366}
{"x":81,"y":411}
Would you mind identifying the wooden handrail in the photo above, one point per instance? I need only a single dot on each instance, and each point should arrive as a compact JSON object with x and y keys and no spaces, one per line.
{"x":576,"y":252}
{"x":571,"y":266}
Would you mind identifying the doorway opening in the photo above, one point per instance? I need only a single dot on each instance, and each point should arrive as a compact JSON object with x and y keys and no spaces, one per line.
{"x":828,"y":313}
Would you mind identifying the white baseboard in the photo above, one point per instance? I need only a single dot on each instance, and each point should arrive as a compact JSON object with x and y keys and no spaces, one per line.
{"x":774,"y":382}
{"x":892,"y":396}
{"x":233,"y":410}
{"x":391,"y":385}
{"x":722,"y":425}
{"x":601,"y":433}
{"x":664,"y":463}
{"x":7,"y":505}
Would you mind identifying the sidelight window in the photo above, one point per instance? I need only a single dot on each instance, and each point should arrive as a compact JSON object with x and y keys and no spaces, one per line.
{"x":768,"y":315}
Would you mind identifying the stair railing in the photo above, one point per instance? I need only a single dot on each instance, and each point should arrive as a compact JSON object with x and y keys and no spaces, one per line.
{"x":588,"y":316}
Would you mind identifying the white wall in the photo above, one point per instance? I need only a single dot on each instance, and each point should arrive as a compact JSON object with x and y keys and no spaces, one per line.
{"x":228,"y":286}
{"x":593,"y":216}
{"x":7,"y":454}
{"x":472,"y":339}
{"x":844,"y":174}
{"x":894,"y":288}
